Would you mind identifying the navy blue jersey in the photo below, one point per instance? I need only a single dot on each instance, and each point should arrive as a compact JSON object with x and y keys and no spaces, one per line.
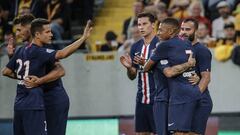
{"x":54,"y":92}
{"x":146,"y":86}
{"x":161,"y":84}
{"x":30,"y":60}
{"x":203,"y":60}
{"x":174,"y":52}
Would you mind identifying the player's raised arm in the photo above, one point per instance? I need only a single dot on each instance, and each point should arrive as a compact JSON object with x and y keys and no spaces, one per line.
{"x":61,"y":54}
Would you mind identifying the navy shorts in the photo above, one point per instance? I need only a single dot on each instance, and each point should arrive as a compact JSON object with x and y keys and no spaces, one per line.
{"x":204,"y":108}
{"x":29,"y":122}
{"x":144,"y":121}
{"x":180,"y":117}
{"x":56,"y":116}
{"x":160,"y":111}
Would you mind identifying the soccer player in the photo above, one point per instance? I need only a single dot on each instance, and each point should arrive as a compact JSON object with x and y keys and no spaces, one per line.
{"x":140,"y":52}
{"x":182,"y":94}
{"x":203,"y":67}
{"x":162,"y":93}
{"x":31,"y":60}
{"x":56,"y":100}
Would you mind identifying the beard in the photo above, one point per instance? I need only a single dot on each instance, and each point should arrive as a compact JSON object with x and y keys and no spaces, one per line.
{"x":189,"y":37}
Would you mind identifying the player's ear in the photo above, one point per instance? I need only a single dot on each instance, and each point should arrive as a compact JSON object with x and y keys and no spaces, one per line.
{"x":171,"y":31}
{"x":153,"y":25}
{"x":37,"y":34}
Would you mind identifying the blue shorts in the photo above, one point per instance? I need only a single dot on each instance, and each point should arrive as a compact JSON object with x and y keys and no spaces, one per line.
{"x":29,"y":122}
{"x":56,"y":116}
{"x":180,"y":117}
{"x":160,"y":111}
{"x":204,"y":108}
{"x":144,"y":121}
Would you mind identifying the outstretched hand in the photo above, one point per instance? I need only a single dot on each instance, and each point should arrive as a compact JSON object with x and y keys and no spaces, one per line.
{"x":88,"y":29}
{"x":126,"y":61}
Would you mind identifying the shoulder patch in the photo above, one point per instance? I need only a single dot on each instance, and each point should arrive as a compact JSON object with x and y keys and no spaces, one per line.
{"x":164,"y":62}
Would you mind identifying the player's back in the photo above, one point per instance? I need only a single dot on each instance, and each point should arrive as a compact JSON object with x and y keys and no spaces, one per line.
{"x":29,"y":60}
{"x":181,"y":90}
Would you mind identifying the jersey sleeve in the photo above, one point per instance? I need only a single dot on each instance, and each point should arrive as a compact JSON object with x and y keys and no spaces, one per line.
{"x":12,"y":62}
{"x":204,"y":58}
{"x":160,"y":56}
{"x":47,"y":55}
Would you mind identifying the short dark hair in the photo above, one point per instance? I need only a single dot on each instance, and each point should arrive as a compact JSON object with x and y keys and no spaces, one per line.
{"x":171,"y":21}
{"x":37,"y":25}
{"x":151,"y":17}
{"x":229,"y":25}
{"x":110,"y":35}
{"x":194,"y":21}
{"x":23,"y":19}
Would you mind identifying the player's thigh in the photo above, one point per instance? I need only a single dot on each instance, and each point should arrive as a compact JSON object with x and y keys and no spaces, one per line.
{"x":144,"y":121}
{"x":180,"y":116}
{"x":160,"y":111}
{"x":34,"y":122}
{"x":56,"y":116}
{"x":17,"y":123}
{"x":201,"y":115}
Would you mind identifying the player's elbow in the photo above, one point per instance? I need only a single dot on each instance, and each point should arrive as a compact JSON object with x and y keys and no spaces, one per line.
{"x":5,"y":72}
{"x":62,"y":72}
{"x":168,"y":73}
{"x":61,"y":54}
{"x":131,"y":78}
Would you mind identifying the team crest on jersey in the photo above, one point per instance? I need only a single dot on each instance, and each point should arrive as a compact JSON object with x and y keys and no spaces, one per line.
{"x":164,"y":62}
{"x":49,"y":50}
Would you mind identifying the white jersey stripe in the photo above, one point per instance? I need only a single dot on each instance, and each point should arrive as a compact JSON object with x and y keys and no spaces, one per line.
{"x":147,"y":79}
{"x":142,"y":77}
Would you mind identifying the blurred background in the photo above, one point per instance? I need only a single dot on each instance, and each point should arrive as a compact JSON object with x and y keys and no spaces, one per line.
{"x":102,"y":99}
